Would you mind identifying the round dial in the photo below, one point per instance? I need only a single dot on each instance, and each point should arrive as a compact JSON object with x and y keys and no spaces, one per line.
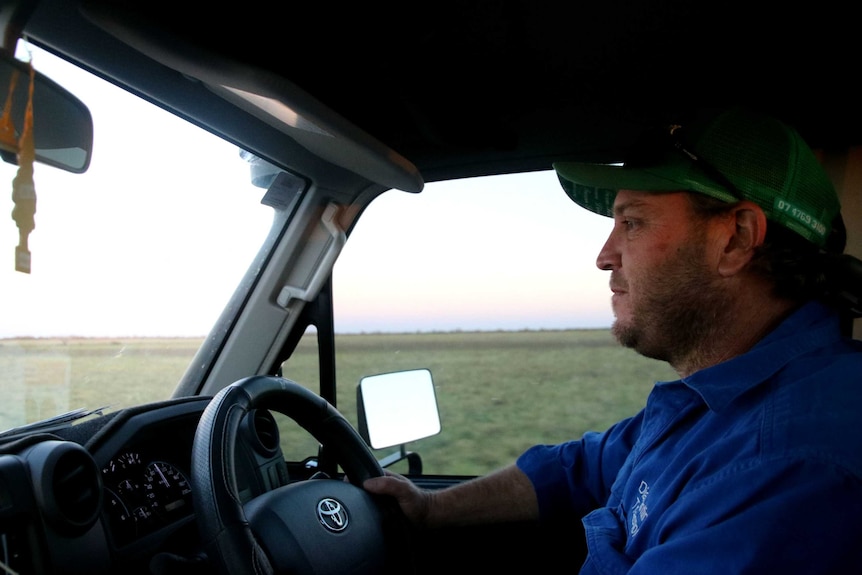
{"x":167,"y":490}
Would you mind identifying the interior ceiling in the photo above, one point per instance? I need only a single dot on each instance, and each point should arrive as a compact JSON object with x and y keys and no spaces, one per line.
{"x":470,"y":87}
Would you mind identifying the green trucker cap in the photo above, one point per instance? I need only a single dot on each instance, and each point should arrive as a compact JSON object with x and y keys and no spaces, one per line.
{"x":736,"y":154}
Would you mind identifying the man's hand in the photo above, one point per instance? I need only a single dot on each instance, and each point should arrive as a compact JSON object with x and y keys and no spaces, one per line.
{"x":414,"y":502}
{"x":504,"y":495}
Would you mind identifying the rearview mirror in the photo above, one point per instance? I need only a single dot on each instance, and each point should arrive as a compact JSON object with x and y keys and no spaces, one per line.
{"x":395,"y":408}
{"x":62,"y":124}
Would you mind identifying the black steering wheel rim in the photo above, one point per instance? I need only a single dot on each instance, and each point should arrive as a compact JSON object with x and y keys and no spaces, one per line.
{"x":226,"y":532}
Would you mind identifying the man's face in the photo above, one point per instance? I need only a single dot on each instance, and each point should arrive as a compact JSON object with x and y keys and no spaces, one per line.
{"x":665,"y":296}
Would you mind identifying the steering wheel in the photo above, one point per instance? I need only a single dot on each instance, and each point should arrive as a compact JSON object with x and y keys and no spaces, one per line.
{"x":313,"y":526}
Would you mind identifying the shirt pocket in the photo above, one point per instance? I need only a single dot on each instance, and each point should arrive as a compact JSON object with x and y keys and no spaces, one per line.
{"x":606,"y":540}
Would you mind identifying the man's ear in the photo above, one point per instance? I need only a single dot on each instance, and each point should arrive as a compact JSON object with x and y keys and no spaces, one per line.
{"x":745,"y":230}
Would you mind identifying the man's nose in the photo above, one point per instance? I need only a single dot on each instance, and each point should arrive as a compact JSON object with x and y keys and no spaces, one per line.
{"x":609,"y":257}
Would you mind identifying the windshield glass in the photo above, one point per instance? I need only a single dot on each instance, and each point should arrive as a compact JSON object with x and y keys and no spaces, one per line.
{"x":131,"y":262}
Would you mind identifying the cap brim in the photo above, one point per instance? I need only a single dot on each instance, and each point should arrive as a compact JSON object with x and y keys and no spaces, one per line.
{"x":594,"y":186}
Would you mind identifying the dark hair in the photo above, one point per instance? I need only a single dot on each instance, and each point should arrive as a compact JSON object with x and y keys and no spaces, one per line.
{"x":793,"y":265}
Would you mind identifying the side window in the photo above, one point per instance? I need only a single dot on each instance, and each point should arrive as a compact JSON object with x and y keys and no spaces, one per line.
{"x":491,"y":284}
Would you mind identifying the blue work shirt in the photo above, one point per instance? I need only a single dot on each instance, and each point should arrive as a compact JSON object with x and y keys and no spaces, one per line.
{"x":753,"y":465}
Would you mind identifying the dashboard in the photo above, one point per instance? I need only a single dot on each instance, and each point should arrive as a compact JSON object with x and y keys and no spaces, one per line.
{"x":145,"y":475}
{"x":114,"y":494}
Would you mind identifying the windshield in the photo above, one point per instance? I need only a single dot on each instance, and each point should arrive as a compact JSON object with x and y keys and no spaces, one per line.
{"x":131,"y":262}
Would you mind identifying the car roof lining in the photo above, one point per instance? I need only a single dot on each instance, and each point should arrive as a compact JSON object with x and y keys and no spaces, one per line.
{"x":472,"y":88}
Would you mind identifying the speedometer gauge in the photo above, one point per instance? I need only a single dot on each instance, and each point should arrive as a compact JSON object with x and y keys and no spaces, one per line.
{"x":167,"y":491}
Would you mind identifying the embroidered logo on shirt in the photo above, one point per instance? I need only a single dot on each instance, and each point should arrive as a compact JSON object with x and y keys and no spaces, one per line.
{"x":638,"y":512}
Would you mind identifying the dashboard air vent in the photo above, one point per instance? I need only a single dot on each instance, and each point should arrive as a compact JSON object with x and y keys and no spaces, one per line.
{"x":67,"y":485}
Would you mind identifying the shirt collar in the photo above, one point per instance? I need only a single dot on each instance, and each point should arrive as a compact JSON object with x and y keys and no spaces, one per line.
{"x":811,"y":326}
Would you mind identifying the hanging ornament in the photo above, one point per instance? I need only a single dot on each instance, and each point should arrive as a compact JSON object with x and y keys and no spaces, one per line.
{"x":23,"y":187}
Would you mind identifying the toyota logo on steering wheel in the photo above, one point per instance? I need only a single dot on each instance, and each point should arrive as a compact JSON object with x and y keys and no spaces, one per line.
{"x":332,"y":514}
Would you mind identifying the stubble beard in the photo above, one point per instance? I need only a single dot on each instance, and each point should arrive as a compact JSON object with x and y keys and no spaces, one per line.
{"x":677,"y":313}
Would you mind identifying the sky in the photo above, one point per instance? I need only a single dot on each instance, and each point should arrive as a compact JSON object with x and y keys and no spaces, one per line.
{"x":506,"y":262}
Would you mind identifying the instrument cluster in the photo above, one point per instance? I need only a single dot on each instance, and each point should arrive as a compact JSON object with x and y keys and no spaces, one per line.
{"x":144,"y":494}
{"x":145,"y":464}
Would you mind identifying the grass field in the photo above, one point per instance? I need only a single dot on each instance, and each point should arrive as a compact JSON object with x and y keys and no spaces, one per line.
{"x":498,"y":392}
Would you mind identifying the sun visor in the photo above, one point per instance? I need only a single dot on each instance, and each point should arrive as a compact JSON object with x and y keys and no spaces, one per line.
{"x":270,"y":98}
{"x":317,"y":128}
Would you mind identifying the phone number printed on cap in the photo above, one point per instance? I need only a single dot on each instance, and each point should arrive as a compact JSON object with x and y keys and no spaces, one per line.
{"x":801,"y":216}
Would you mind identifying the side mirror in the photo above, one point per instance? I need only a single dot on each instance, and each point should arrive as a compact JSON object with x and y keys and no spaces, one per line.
{"x":396,"y":408}
{"x":62,"y":124}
